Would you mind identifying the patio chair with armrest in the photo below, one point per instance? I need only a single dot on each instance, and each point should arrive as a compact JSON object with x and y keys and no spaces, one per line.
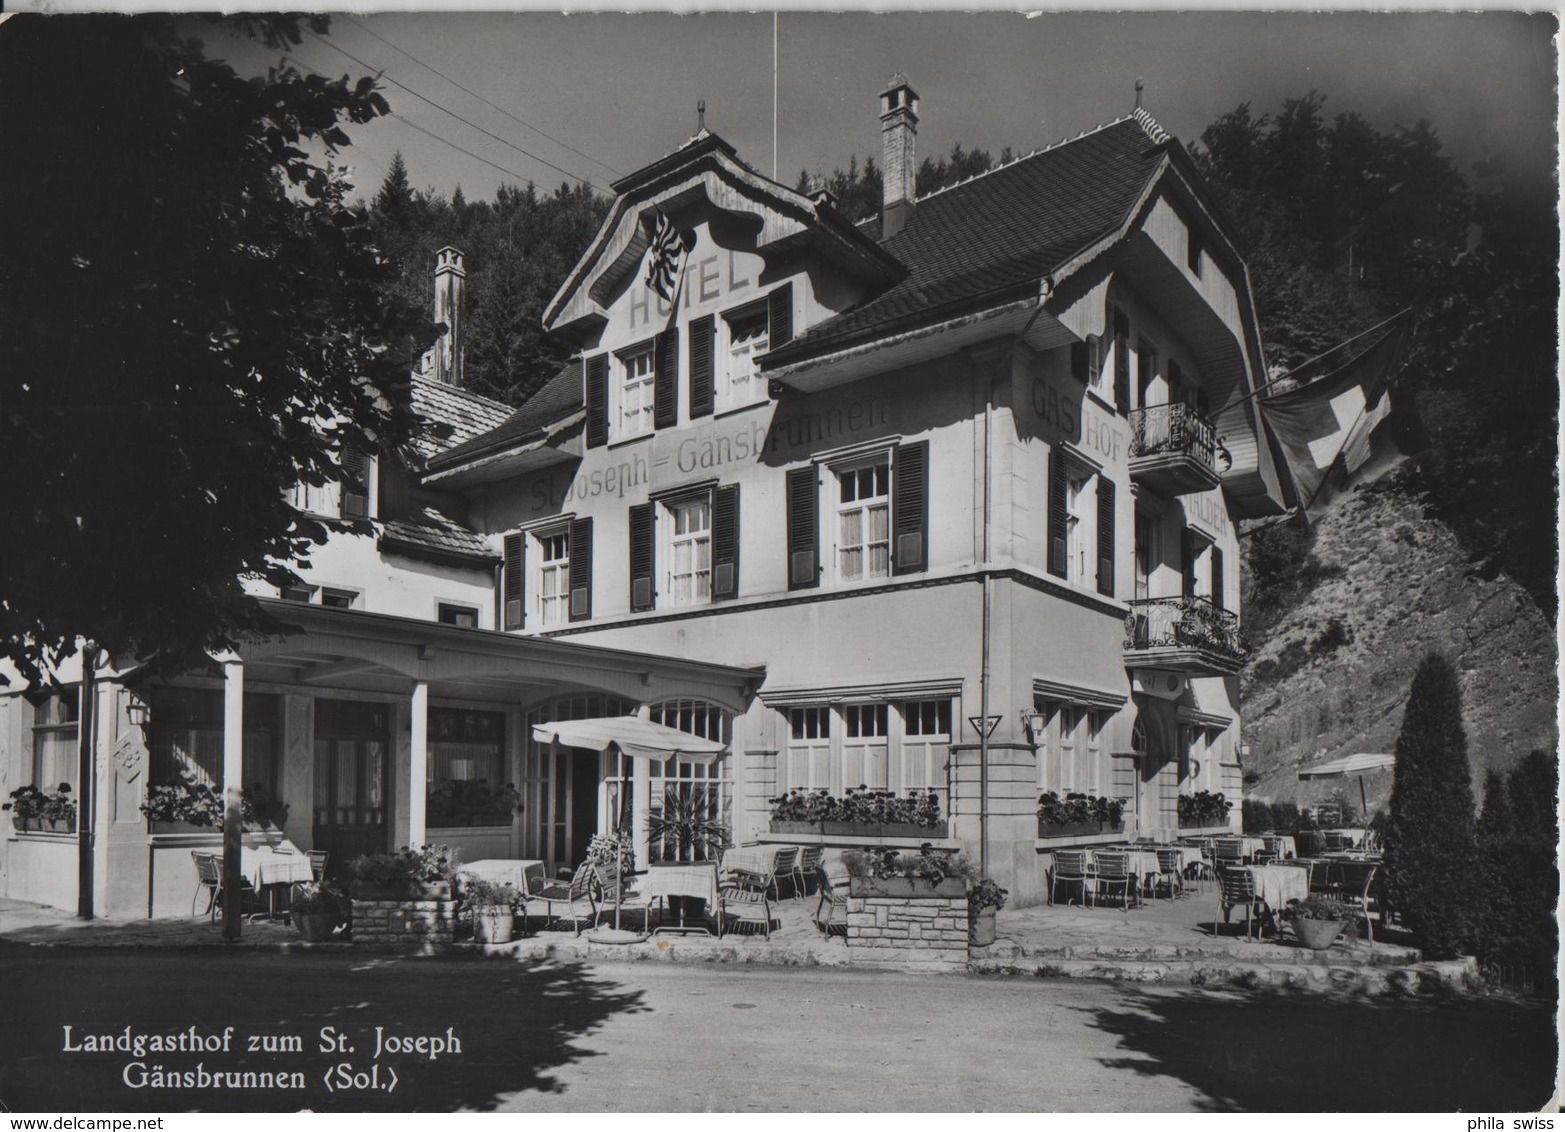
{"x":831,"y":913}
{"x":1227,"y":852}
{"x":1236,"y":888}
{"x":570,"y":894}
{"x":810,"y":858}
{"x":783,"y":862}
{"x":1355,"y":879}
{"x":742,"y":895}
{"x":1113,"y":871}
{"x":623,"y":895}
{"x":1070,"y":868}
{"x":209,"y":879}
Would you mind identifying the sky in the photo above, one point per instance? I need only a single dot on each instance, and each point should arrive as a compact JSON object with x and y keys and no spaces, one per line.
{"x":596,"y":96}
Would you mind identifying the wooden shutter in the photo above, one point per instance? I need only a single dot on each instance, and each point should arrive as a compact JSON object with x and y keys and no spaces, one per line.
{"x":702,"y":332}
{"x":803,"y":528}
{"x":1121,"y":362}
{"x":910,"y":508}
{"x":665,"y":380}
{"x":597,"y":401}
{"x":1217,"y":578}
{"x":513,"y":586}
{"x":581,"y":569}
{"x":779,"y":316}
{"x":642,"y":560}
{"x":725,"y":543}
{"x":1105,"y":536}
{"x":1057,"y":512}
{"x":1187,"y":552}
{"x":1176,"y":384}
{"x":355,"y":489}
{"x":1079,"y":361}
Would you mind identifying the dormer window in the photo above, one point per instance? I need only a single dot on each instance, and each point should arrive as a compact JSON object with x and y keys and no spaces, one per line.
{"x":633,"y":392}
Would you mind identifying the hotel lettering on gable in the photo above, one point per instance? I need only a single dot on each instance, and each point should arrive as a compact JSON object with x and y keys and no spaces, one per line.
{"x":842,"y":489}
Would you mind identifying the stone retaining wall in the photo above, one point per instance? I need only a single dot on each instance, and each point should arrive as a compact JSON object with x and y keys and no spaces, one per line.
{"x":421,"y":927}
{"x":924,"y":932}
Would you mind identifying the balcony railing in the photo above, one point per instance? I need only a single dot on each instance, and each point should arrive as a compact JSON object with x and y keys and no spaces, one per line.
{"x":1173,"y":430}
{"x":1185,"y":623}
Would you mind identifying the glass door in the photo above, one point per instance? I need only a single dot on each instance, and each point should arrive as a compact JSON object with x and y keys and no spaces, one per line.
{"x":352,"y":794}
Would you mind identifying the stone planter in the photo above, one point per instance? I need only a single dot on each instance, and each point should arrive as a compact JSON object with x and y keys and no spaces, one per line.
{"x":493,"y":925}
{"x":314,"y":926}
{"x":906,"y":888}
{"x":1078,"y":828}
{"x":439,"y":890}
{"x":981,"y":930}
{"x":1317,"y":935}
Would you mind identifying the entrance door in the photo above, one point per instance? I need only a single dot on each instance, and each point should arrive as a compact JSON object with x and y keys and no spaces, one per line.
{"x":584,"y":804}
{"x":352,"y":790}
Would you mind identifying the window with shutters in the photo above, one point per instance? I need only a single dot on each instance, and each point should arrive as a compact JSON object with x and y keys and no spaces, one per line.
{"x":1080,"y":511}
{"x":688,"y":550}
{"x":553,"y":585}
{"x":747,"y":335}
{"x":1204,"y":569}
{"x":863,"y":523}
{"x":634,"y":394}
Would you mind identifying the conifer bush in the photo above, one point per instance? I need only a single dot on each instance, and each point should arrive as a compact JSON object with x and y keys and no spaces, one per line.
{"x":1431,"y":860}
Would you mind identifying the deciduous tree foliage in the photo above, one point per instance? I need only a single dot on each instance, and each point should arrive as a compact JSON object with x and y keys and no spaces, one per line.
{"x":1431,"y":866}
{"x":194,"y":321}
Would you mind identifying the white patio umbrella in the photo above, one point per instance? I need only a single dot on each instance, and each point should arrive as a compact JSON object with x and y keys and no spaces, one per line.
{"x":1353,"y":764}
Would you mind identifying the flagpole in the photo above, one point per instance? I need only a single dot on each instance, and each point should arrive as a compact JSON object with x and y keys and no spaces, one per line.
{"x":1307,"y":361}
{"x":774,"y":96}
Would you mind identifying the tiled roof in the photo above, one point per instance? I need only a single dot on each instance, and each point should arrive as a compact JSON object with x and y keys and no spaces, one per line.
{"x":464,"y":413}
{"x":431,"y":532}
{"x":560,"y":396}
{"x":1002,"y":230}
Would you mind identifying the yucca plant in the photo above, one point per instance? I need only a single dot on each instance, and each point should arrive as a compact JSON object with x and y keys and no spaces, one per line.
{"x":687,"y":827}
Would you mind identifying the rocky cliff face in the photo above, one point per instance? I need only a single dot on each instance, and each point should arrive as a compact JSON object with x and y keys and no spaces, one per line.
{"x":1331,"y":668}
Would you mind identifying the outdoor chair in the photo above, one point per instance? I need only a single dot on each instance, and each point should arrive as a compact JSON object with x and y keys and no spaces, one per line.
{"x":811,"y":857}
{"x":570,"y":894}
{"x":1275,"y":847}
{"x":1070,"y":867}
{"x":831,"y":913}
{"x":1227,"y":852}
{"x":1236,"y":889}
{"x":784,"y":862}
{"x":1337,"y":842}
{"x":209,"y":879}
{"x":1168,"y":873}
{"x":621,"y":894}
{"x":1356,"y":879}
{"x":1113,"y":872}
{"x":742,"y":895}
{"x":318,"y":858}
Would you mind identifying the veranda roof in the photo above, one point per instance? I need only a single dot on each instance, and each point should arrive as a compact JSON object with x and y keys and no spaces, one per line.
{"x":1352,"y":764}
{"x":631,"y":735}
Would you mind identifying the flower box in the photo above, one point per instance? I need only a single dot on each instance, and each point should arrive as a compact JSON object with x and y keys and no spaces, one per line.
{"x":906,"y":887}
{"x":59,"y":825}
{"x":878,"y":829}
{"x":780,"y":826}
{"x":184,"y":827}
{"x":22,"y":825}
{"x":1078,"y":828}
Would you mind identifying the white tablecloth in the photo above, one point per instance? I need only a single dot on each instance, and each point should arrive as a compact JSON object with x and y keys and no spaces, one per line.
{"x":1188,"y":855}
{"x":1287,"y":845}
{"x":698,"y":880}
{"x":1275,"y":885}
{"x":1355,"y":836}
{"x":264,"y":864}
{"x":520,"y":874}
{"x":755,"y":859}
{"x":1138,"y":862}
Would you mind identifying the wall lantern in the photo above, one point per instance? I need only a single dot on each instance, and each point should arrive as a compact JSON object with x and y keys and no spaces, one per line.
{"x":1034,"y":722}
{"x":139,"y":712}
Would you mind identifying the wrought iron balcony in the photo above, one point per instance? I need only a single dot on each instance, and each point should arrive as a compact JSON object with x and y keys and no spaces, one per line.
{"x":1173,"y":449}
{"x":1187,"y":634}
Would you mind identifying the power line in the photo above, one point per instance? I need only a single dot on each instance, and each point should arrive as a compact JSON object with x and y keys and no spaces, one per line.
{"x":519,"y":121}
{"x":403,"y":86}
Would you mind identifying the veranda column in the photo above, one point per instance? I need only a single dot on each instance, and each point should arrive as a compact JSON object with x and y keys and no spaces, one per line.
{"x":233,"y":804}
{"x":641,"y":799}
{"x":418,"y":764}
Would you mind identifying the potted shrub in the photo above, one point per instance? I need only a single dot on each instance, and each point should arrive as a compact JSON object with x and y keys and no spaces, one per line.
{"x":316,"y":909}
{"x":493,"y":906}
{"x":26,"y":807}
{"x":1318,"y":920}
{"x":890,"y":872}
{"x":424,"y":873}
{"x":984,"y":899}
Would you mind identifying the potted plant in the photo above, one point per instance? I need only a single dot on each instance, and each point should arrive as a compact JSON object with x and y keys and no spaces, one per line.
{"x":685,"y":827}
{"x":1203,"y":809}
{"x":792,"y":812}
{"x":424,"y":873}
{"x":59,"y":810}
{"x":493,"y":906}
{"x":600,"y":852}
{"x":189,"y":802}
{"x":1318,"y":920}
{"x":316,"y":908}
{"x":984,"y":899}
{"x":862,"y":812}
{"x":26,"y":807}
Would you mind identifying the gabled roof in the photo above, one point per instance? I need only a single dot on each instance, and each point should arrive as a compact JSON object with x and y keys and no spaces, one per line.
{"x":431,"y":535}
{"x":463,"y":414}
{"x":560,"y":396}
{"x":980,"y":241}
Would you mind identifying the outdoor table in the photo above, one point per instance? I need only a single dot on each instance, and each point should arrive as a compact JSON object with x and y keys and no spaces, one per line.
{"x":269,"y":867}
{"x":520,"y":874}
{"x":1188,"y":855}
{"x":1275,"y":885}
{"x":753,"y":859}
{"x":1355,"y":836}
{"x":697,"y":880}
{"x":1250,"y":846}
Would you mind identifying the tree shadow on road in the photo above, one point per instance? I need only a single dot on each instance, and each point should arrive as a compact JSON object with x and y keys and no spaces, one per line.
{"x":1296,"y":1051}
{"x":517,"y":1023}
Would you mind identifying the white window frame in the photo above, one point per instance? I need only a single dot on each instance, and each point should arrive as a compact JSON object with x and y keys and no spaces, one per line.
{"x":738,"y":374}
{"x":808,"y":730}
{"x":555,"y":608}
{"x":324,"y":499}
{"x":53,"y":720}
{"x":458,"y":607}
{"x":672,"y":542}
{"x":341,"y":598}
{"x":925,"y":749}
{"x":864,"y":506}
{"x":1081,"y":522}
{"x":634,"y":391}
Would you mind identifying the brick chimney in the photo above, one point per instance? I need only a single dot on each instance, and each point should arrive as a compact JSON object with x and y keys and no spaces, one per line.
{"x":450,"y":282}
{"x":899,"y":170}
